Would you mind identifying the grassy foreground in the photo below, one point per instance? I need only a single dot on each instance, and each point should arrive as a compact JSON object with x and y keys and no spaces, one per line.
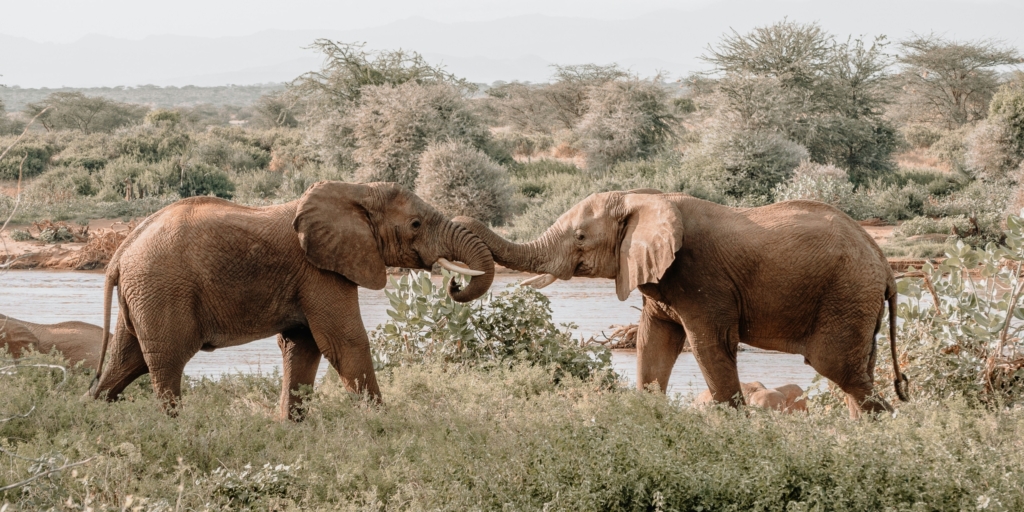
{"x":505,"y":439}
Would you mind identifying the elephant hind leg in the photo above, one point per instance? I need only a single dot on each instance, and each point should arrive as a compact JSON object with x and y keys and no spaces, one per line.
{"x":125,"y":364}
{"x":301,"y":360}
{"x":850,"y":363}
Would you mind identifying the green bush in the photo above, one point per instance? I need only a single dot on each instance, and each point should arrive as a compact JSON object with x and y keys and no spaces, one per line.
{"x":754,"y":162}
{"x":36,"y":157}
{"x":921,"y":136}
{"x":204,"y":180}
{"x":458,"y":179}
{"x":927,"y":225}
{"x":393,"y":125}
{"x":1007,"y":109}
{"x":258,"y":185}
{"x":511,"y":327}
{"x":827,"y":184}
{"x":966,"y":345}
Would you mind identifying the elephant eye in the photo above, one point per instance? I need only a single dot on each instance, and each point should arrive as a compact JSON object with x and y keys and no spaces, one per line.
{"x":416,"y":224}
{"x":579,"y":236}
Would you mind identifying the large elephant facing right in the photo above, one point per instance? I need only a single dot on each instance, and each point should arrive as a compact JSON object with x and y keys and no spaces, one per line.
{"x":798,"y":277}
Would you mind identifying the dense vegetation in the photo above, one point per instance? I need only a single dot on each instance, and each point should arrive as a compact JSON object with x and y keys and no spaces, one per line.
{"x":926,"y":129}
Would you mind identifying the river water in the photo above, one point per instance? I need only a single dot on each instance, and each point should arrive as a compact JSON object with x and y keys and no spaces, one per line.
{"x":42,"y":296}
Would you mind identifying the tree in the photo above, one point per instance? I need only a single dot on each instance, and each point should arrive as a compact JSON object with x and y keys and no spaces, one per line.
{"x":523,"y":106}
{"x":950,"y":82}
{"x":625,"y":119}
{"x":568,"y":95}
{"x":8,"y":126}
{"x":797,"y":80}
{"x":349,"y":67}
{"x":392,"y":125}
{"x":89,"y":114}
{"x":458,"y":179}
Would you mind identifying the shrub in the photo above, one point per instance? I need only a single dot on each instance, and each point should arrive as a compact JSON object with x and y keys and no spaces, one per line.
{"x":36,"y":157}
{"x":148,"y":143}
{"x":958,"y":323}
{"x":921,"y":136}
{"x":927,"y":225}
{"x":258,"y":185}
{"x":203,"y":180}
{"x":625,"y":119}
{"x":20,"y":235}
{"x":392,"y":126}
{"x":511,"y":327}
{"x":827,"y":184}
{"x":459,"y":179}
{"x":989,"y":152}
{"x":1007,"y":109}
{"x":754,"y":162}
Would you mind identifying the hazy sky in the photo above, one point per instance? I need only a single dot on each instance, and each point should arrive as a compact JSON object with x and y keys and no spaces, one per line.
{"x":67,"y":20}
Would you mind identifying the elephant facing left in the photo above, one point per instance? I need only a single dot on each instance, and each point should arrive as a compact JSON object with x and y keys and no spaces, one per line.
{"x":205,"y":273}
{"x":76,"y":341}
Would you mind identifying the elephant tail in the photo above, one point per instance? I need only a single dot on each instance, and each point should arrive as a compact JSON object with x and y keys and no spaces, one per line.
{"x":901,"y":382}
{"x":112,"y":277}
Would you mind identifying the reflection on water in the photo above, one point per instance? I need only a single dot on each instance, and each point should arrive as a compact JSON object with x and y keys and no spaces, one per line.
{"x":57,"y":296}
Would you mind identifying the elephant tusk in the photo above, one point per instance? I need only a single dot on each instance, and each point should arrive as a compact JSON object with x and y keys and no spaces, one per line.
{"x":540,"y":281}
{"x":459,"y":269}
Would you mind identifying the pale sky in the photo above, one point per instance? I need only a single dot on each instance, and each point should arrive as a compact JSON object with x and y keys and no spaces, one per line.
{"x":68,"y":20}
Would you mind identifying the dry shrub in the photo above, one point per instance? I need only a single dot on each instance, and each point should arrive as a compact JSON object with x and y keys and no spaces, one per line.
{"x":100,"y":248}
{"x":393,"y":125}
{"x":459,"y":179}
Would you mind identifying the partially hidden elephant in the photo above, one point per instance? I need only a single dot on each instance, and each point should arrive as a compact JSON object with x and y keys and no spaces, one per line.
{"x":76,"y":341}
{"x":798,"y":276}
{"x":785,"y":398}
{"x":205,"y":273}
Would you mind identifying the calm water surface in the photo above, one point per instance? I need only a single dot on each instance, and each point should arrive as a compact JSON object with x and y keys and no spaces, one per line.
{"x":54,"y":296}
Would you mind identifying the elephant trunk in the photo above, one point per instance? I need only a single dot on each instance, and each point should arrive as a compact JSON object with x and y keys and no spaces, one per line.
{"x":538,"y":256}
{"x":468,"y":248}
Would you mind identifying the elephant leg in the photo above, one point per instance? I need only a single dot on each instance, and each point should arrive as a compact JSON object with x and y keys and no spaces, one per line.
{"x":342,"y":339}
{"x":168,"y":342}
{"x":658,"y":344}
{"x":125,"y":363}
{"x":715,"y":348}
{"x":301,"y":360}
{"x":850,"y":363}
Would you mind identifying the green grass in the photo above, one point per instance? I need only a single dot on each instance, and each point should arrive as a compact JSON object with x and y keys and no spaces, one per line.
{"x":473,"y":440}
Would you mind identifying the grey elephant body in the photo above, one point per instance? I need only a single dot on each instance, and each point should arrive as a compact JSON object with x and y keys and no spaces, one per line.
{"x":205,"y":273}
{"x":798,"y":277}
{"x":76,"y":341}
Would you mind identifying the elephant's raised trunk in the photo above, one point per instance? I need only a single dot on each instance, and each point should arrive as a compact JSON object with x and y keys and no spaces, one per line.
{"x":537,"y":257}
{"x":471,"y":250}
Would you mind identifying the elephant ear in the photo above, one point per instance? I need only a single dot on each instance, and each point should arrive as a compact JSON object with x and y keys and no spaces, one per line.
{"x":334,"y":229}
{"x":653,"y":232}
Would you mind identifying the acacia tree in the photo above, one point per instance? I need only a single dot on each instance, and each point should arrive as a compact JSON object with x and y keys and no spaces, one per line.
{"x":89,"y":114}
{"x":569,"y":94}
{"x":798,"y":81}
{"x":950,"y":82}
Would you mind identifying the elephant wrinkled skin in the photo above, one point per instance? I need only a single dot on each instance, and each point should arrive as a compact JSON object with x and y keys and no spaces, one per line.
{"x":798,"y":277}
{"x":205,"y":273}
{"x":76,"y":341}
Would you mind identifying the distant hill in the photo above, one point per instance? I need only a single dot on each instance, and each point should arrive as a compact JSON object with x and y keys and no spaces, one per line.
{"x":518,"y":48}
{"x":16,"y":98}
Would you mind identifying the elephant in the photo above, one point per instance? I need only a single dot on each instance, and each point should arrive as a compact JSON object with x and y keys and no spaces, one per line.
{"x":76,"y":341}
{"x":205,"y":273}
{"x":786,"y":398}
{"x":796,"y":276}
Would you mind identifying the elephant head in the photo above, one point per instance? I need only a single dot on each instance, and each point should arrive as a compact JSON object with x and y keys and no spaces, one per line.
{"x":631,"y":237}
{"x":357,"y":230}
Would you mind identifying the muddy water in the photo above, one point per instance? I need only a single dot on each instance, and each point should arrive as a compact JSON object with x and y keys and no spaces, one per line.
{"x":56,"y":296}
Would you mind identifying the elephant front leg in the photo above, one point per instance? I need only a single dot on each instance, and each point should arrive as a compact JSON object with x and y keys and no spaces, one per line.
{"x":343,"y":341}
{"x":301,"y":361}
{"x":715,"y":348}
{"x":659,"y":343}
